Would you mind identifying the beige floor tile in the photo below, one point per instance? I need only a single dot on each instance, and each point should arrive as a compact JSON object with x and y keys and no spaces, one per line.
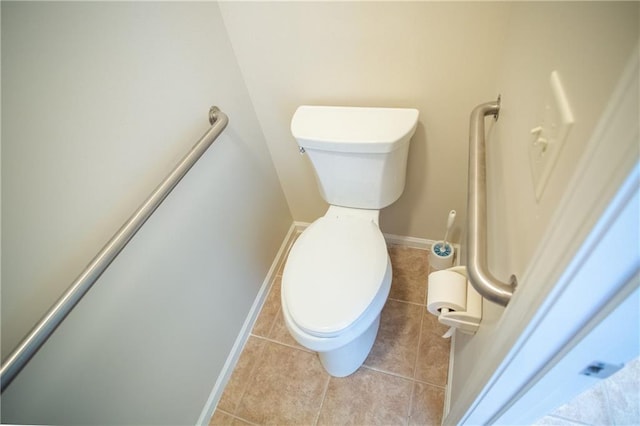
{"x":241,"y":374}
{"x":555,"y":421}
{"x":269,"y":311}
{"x":433,"y":355}
{"x":623,"y":389}
{"x":410,"y":271}
{"x":396,"y":345}
{"x":221,"y":418}
{"x":590,"y":407}
{"x":280,"y":333}
{"x":427,"y":404}
{"x":366,"y":397}
{"x":270,"y":322}
{"x":286,"y":388}
{"x":277,"y":384}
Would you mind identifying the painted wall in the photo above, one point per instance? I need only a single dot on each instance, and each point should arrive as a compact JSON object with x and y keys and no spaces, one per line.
{"x":589,"y":45}
{"x":99,"y":101}
{"x":89,"y":89}
{"x":435,"y":56}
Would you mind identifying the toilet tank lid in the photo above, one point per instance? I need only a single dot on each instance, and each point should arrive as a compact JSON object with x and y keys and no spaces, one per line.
{"x":353,"y":129}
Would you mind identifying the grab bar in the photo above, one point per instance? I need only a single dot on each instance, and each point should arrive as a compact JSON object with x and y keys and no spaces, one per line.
{"x":482,"y":280}
{"x":58,"y":312}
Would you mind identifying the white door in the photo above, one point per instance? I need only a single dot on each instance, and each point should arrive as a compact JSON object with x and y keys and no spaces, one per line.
{"x":590,"y":312}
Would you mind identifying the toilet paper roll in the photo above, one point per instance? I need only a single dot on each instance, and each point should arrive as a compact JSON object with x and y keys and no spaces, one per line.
{"x":447,"y":289}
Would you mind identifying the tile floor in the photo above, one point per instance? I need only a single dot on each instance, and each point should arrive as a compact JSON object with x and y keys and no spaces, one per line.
{"x":613,"y":401}
{"x":402,"y":382}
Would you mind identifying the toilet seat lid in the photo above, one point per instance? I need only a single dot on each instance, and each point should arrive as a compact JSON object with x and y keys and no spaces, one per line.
{"x":333,"y":273}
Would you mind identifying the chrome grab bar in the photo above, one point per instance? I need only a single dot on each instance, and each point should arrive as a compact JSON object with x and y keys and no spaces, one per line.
{"x":482,"y":280}
{"x":58,"y":312}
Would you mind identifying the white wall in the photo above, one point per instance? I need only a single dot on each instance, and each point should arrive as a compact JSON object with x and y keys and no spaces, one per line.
{"x":99,"y":101}
{"x":435,"y":56}
{"x":589,"y":45}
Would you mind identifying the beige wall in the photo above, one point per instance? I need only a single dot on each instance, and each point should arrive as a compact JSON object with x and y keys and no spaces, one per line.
{"x":99,"y":101}
{"x":589,"y":44}
{"x":92,"y":88}
{"x":438,"y":57}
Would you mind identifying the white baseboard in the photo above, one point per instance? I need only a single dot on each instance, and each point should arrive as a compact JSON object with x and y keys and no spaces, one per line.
{"x":400,"y":240}
{"x":447,"y":389}
{"x":413,"y":242}
{"x":243,"y":336}
{"x":300,"y":226}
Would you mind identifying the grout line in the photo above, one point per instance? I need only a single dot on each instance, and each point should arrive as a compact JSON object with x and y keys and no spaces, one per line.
{"x":415,"y":369}
{"x":253,"y":369}
{"x":415,"y":364}
{"x":406,"y":301}
{"x":567,"y":419}
{"x":607,"y":401}
{"x":390,"y":373}
{"x":387,"y":372}
{"x":236,"y":417}
{"x":268,"y":339}
{"x":431,"y":384}
{"x":324,"y":396}
{"x":411,"y":396}
{"x":275,"y":317}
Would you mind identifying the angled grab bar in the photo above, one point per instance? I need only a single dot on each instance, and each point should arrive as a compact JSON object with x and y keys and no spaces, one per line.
{"x":58,"y":312}
{"x":481,"y":279}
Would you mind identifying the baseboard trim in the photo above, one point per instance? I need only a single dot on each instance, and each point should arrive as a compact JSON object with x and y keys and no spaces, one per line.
{"x":400,"y":240}
{"x":447,"y":389}
{"x":247,"y":326}
{"x":413,"y":242}
{"x":300,"y":226}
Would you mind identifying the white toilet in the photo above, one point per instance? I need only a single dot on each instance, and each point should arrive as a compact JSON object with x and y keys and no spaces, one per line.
{"x":338,"y":274}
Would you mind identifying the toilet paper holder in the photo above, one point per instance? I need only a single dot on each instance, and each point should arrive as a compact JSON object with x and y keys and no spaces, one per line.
{"x":468,"y":320}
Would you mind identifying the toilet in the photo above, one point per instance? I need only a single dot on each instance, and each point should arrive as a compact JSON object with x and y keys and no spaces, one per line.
{"x":338,"y":273}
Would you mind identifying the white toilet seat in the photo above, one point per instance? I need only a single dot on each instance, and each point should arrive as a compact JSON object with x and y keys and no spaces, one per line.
{"x":325,"y":344}
{"x":337,"y":270}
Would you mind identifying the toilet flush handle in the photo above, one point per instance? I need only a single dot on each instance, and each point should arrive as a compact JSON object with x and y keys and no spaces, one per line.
{"x":302,"y":151}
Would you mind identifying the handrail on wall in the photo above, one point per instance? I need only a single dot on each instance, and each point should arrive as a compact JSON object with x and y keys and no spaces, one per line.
{"x":482,"y":280}
{"x":58,"y":312}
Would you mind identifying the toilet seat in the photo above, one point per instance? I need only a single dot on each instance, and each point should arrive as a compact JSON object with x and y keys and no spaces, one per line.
{"x":334,"y":272}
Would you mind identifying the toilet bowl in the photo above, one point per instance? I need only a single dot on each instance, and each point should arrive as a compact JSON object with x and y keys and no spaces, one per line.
{"x":338,"y":273}
{"x":334,"y":286}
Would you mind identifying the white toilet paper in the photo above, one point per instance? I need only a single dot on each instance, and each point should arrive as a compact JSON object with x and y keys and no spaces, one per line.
{"x":447,"y":289}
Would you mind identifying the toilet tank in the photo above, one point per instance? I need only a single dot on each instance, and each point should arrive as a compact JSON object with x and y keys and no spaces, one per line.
{"x":359,"y":154}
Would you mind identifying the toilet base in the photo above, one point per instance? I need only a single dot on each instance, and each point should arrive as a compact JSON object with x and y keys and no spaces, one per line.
{"x":346,"y":359}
